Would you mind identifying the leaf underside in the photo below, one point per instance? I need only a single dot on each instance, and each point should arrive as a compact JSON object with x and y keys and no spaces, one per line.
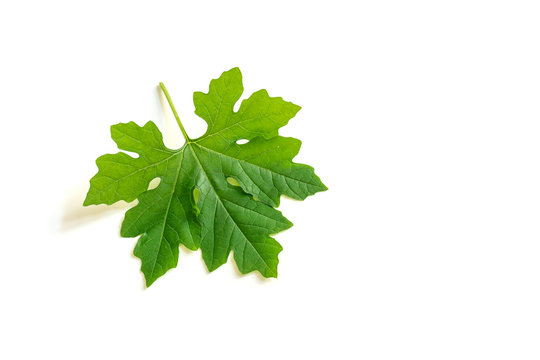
{"x":196,"y":202}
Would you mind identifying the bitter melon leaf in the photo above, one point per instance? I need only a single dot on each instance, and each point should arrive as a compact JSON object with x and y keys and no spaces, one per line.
{"x":194,"y":203}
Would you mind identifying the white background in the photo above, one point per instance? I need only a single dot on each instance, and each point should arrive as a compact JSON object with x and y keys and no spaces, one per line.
{"x":422,"y":118}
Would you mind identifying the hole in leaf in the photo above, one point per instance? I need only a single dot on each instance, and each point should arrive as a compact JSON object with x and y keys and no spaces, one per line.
{"x":242,"y":141}
{"x":154,"y":183}
{"x":233,"y":181}
{"x":196,"y":200}
{"x":196,"y":195}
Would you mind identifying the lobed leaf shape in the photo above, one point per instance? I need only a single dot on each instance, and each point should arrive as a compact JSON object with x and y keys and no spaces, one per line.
{"x":195,"y":204}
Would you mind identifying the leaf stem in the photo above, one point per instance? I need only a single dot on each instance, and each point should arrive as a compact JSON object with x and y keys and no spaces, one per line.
{"x":164,"y":89}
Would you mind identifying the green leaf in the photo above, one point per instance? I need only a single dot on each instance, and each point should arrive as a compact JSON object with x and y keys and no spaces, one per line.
{"x":214,"y":193}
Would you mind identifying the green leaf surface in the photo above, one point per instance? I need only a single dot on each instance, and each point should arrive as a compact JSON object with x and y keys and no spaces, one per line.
{"x":197,"y":202}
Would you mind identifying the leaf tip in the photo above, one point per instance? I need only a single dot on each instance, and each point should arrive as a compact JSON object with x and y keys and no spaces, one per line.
{"x":235,"y":69}
{"x":288,"y":224}
{"x":89,"y":200}
{"x":148,"y":281}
